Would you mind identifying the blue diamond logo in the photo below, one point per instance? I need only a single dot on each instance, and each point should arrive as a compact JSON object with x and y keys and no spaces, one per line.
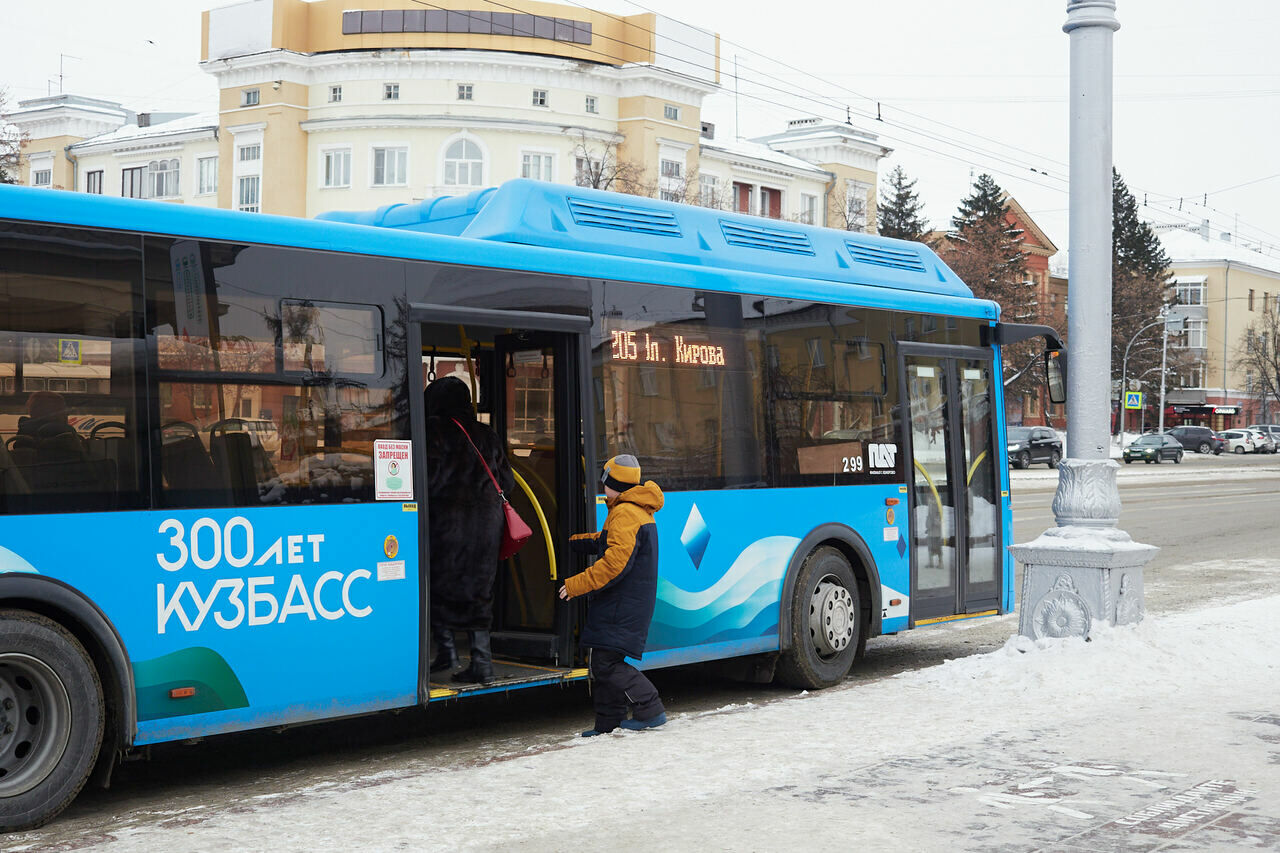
{"x":696,"y":536}
{"x":902,"y":545}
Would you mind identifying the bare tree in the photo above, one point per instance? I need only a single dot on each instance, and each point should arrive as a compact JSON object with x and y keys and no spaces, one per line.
{"x":11,"y":143}
{"x":849,"y":213}
{"x":1259,"y":356}
{"x":597,"y":165}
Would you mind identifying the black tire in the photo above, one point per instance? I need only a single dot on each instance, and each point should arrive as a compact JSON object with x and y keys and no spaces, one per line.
{"x":828,"y":628}
{"x":1024,"y":460}
{"x":1204,"y":447}
{"x":1128,"y":461}
{"x":1239,"y":448}
{"x":1177,"y":460}
{"x":1054,"y":458}
{"x":51,"y":718}
{"x":1159,"y":457}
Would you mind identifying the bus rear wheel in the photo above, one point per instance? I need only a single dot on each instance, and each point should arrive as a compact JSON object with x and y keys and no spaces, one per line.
{"x":51,"y":719}
{"x":827,"y":626}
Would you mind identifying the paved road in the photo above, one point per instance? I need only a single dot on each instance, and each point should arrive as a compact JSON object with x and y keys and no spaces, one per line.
{"x":1214,"y":519}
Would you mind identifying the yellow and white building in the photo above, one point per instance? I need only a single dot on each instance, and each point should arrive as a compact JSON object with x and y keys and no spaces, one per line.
{"x":354,"y":104}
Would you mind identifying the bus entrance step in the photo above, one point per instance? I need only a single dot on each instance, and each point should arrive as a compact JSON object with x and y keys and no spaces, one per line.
{"x":508,"y":675}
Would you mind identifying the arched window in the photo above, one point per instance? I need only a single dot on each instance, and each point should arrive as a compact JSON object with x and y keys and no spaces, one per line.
{"x":463,"y":164}
{"x":164,"y":178}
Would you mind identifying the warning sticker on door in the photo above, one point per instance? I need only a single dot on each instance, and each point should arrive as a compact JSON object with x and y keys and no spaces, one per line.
{"x":393,"y":470}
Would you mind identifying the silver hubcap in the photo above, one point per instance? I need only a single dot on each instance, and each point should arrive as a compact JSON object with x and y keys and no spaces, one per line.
{"x":35,"y":722}
{"x":831,"y":617}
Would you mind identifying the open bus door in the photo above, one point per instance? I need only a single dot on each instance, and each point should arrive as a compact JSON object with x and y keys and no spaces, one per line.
{"x":529,"y":374}
{"x":957,"y":565}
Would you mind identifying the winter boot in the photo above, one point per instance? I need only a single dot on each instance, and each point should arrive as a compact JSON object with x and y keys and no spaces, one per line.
{"x":651,"y":723}
{"x":481,"y":668}
{"x":446,"y":653}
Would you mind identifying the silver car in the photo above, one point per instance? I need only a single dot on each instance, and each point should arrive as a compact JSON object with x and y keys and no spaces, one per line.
{"x":1262,"y":441}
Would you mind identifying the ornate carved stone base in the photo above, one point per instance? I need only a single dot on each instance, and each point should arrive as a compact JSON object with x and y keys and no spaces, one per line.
{"x":1085,"y":572}
{"x":1076,"y":577}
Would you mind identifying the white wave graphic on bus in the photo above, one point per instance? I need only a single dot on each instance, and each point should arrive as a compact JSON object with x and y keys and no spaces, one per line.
{"x":742,"y":604}
{"x":11,"y":562}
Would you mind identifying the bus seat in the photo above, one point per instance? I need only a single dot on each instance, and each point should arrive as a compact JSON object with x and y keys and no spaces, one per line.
{"x":188,"y":471}
{"x":232,"y":455}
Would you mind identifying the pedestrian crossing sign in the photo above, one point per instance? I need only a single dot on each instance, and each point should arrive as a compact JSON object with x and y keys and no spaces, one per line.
{"x":69,"y":351}
{"x":1133,"y":399}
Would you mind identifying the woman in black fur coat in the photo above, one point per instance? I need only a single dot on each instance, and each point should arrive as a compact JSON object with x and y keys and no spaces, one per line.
{"x":466,"y":525}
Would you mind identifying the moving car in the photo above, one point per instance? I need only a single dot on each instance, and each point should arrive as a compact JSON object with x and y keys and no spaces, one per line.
{"x":1239,"y":440}
{"x":1156,"y":447}
{"x":1198,"y":438}
{"x":1271,"y":430}
{"x":1033,"y":444}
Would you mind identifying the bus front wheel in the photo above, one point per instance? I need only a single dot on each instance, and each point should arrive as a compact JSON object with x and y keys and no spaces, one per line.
{"x":827,"y":625}
{"x":51,"y":718}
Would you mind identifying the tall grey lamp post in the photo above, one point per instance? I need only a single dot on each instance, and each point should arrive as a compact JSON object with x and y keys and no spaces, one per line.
{"x":1164,"y":359}
{"x":1124,"y":372}
{"x":1086,"y":569}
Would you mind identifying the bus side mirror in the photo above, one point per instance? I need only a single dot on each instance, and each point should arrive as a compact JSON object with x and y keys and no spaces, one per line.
{"x":1055,"y":369}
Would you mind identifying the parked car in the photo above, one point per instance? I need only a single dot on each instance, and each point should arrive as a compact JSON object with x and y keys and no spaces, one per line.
{"x":1153,"y":448}
{"x":1271,"y":431}
{"x":1198,"y":438}
{"x":1239,"y":440}
{"x":1033,"y":444}
{"x":1262,"y":442}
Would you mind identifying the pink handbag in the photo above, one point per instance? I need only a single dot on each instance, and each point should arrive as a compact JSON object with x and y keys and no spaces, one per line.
{"x":514,"y":531}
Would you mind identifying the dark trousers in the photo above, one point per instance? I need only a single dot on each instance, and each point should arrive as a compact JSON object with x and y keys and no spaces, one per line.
{"x":617,"y":685}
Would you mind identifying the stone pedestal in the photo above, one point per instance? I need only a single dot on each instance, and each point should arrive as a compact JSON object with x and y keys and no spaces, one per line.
{"x":1085,"y":572}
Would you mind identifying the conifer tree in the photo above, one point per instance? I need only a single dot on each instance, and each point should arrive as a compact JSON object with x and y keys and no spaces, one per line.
{"x":984,"y":248}
{"x":1139,"y":276}
{"x":900,"y":211}
{"x":11,"y":143}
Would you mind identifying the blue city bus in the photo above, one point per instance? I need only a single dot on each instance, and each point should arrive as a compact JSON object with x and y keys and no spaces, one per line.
{"x":213,"y":505}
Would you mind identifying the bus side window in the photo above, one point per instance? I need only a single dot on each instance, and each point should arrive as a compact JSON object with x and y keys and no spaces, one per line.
{"x":70,"y":345}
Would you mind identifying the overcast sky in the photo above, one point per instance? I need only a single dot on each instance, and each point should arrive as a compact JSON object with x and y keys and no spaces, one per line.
{"x":961,"y":88}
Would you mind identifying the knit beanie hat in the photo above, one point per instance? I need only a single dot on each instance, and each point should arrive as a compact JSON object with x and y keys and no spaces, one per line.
{"x":621,"y":473}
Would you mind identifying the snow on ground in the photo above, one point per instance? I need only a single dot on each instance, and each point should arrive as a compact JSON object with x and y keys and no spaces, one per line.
{"x":1165,"y":730}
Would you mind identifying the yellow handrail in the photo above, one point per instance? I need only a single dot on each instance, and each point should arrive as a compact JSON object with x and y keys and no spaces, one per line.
{"x":542,"y":520}
{"x":969,"y":480}
{"x":936,"y":497}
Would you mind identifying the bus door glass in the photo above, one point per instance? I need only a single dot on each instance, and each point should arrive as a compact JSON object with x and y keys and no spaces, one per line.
{"x":955,"y":510}
{"x":537,"y":415}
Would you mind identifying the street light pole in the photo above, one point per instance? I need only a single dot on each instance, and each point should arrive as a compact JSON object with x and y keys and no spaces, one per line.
{"x":1164,"y":356}
{"x":1124,"y":373}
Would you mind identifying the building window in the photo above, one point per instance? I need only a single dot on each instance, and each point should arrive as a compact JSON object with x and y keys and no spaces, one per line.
{"x":535,"y":166}
{"x":131,"y":182}
{"x":463,"y":164}
{"x":93,"y":182}
{"x":337,"y":168}
{"x":248,"y":97}
{"x":670,"y":168}
{"x":771,"y":202}
{"x":390,"y":91}
{"x":42,"y":178}
{"x":1190,"y":291}
{"x":670,"y":195}
{"x":591,"y":104}
{"x":207,"y":169}
{"x":163,"y":178}
{"x":335,"y":94}
{"x":539,"y":97}
{"x":1196,"y":333}
{"x":587,"y":172}
{"x":741,"y":197}
{"x":1251,"y":299}
{"x":709,"y":190}
{"x":464,"y":91}
{"x":248,"y":153}
{"x":390,"y":167}
{"x":808,"y":208}
{"x":670,"y":113}
{"x":247,"y":199}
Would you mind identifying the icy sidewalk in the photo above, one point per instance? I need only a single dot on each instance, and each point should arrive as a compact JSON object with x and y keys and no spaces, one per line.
{"x":1163,"y":734}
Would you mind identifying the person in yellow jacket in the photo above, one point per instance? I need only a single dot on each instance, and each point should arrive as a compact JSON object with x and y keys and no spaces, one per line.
{"x":622,"y":588}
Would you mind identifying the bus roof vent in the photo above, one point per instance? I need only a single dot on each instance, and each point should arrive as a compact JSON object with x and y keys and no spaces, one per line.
{"x":886,"y":256}
{"x":623,"y":217}
{"x":771,"y":239}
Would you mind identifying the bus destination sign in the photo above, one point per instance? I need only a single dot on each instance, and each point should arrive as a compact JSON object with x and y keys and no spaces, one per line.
{"x":645,"y":348}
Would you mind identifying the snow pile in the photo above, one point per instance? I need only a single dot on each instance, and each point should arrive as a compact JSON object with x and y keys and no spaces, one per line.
{"x":988,"y":748}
